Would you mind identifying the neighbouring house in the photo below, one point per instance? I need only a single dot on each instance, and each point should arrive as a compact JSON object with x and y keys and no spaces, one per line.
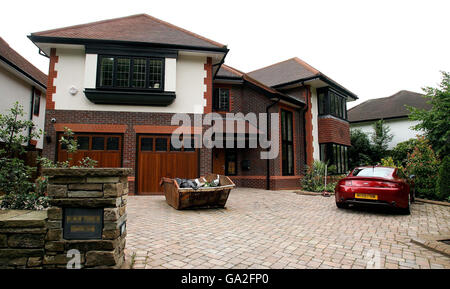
{"x":117,"y":83}
{"x":21,"y":81}
{"x":393,"y":110}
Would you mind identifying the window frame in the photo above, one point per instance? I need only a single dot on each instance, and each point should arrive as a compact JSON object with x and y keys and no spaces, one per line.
{"x":130,"y":73}
{"x":335,"y":154}
{"x":36,"y":106}
{"x":285,"y":143}
{"x":216,"y":99}
{"x":229,"y":152}
{"x":332,"y":98}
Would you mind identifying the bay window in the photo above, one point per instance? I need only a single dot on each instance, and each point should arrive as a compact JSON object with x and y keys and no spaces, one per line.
{"x":134,"y":73}
{"x":331,"y":102}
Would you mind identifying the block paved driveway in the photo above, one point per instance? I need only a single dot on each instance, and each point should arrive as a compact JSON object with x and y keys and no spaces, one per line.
{"x":267,"y":229}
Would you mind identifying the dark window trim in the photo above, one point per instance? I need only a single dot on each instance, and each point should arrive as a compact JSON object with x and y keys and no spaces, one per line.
{"x":327,"y":108}
{"x":330,"y":157}
{"x":130,"y":86}
{"x":285,"y":144}
{"x":91,"y":135}
{"x":216,"y":99}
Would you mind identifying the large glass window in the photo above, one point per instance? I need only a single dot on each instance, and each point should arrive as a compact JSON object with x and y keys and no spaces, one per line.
{"x":287,"y":142}
{"x":335,"y":154}
{"x":131,"y":72}
{"x":331,"y":102}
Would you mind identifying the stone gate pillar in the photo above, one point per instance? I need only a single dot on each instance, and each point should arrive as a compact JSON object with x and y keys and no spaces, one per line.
{"x":88,"y":216}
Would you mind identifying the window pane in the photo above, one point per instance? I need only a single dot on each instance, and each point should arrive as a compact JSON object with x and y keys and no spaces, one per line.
{"x":289,"y":125}
{"x":98,"y":143}
{"x":224,"y":97}
{"x":139,"y":66}
{"x":290,"y":157}
{"x":83,"y":142}
{"x":342,"y":160}
{"x":346,"y":159}
{"x":283,"y":125}
{"x":231,"y":162}
{"x":112,"y":144}
{"x":155,"y":73}
{"x":332,"y":104}
{"x":146,"y":144}
{"x":323,"y":157}
{"x":322,"y":103}
{"x":161,"y":145}
{"x":123,"y":72}
{"x":345,"y":109}
{"x":106,"y":71}
{"x":37,"y":103}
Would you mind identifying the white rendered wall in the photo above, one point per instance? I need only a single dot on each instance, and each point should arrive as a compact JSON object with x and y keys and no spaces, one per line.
{"x":315,"y":123}
{"x":400,"y":128}
{"x":39,"y":121}
{"x":184,"y":75}
{"x":12,"y":89}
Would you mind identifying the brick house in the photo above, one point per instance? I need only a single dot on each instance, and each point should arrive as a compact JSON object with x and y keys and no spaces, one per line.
{"x":117,"y":83}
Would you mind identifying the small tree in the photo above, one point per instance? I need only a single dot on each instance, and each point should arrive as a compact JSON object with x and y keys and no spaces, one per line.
{"x":381,"y":137}
{"x":360,"y":152}
{"x":435,"y":123}
{"x":443,"y":182}
{"x":15,"y":132}
{"x":15,"y":176}
{"x":424,"y":164}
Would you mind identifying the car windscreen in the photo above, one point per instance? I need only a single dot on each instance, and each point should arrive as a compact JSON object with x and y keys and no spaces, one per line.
{"x":374,"y":172}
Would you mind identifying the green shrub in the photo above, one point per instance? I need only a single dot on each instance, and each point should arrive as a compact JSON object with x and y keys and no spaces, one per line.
{"x":400,"y":152}
{"x":424,"y":164}
{"x":24,"y":201}
{"x":314,"y":178}
{"x":443,"y":181}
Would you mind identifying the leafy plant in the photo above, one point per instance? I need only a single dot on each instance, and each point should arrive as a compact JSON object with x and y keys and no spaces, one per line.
{"x":424,"y":164}
{"x":71,"y":145}
{"x":443,"y":181}
{"x":435,"y":123}
{"x":15,"y":176}
{"x":314,"y":178}
{"x":400,"y":152}
{"x":25,"y":201}
{"x":15,"y":132}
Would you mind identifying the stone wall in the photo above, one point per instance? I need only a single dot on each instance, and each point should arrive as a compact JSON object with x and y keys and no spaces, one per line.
{"x":35,"y":239}
{"x":22,"y":238}
{"x":87,"y":188}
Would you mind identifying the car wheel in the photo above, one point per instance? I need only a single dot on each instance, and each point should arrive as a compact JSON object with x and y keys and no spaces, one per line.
{"x":407,"y":210}
{"x":341,"y":205}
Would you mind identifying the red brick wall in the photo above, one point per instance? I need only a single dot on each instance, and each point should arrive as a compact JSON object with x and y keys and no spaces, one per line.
{"x":208,"y":82}
{"x":334,"y":130}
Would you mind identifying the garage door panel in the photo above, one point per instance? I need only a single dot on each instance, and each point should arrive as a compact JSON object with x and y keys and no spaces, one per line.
{"x":105,"y":158}
{"x":153,"y":165}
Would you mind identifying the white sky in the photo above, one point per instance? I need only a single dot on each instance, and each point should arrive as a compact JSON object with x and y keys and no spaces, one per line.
{"x":373,"y":48}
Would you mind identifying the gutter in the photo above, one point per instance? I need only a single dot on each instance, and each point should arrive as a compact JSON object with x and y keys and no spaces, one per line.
{"x":84,"y":41}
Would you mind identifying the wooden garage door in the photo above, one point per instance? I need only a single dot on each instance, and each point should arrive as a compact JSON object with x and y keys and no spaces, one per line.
{"x":104,"y":148}
{"x":157,"y":159}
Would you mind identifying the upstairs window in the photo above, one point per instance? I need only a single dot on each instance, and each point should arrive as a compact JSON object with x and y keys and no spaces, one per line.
{"x":332,"y":103}
{"x":221,"y":99}
{"x":36,"y":103}
{"x":136,"y":73}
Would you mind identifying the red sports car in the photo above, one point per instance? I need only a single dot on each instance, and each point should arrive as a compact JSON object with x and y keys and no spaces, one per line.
{"x":374,"y":185}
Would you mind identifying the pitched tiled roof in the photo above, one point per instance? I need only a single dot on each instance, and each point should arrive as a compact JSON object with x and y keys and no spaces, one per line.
{"x":227,"y":71}
{"x":15,"y":59}
{"x":285,"y":71}
{"x":387,"y":107}
{"x":135,"y":28}
{"x":292,"y":70}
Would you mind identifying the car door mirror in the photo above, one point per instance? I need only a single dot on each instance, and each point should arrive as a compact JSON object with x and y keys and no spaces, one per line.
{"x":412,"y":177}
